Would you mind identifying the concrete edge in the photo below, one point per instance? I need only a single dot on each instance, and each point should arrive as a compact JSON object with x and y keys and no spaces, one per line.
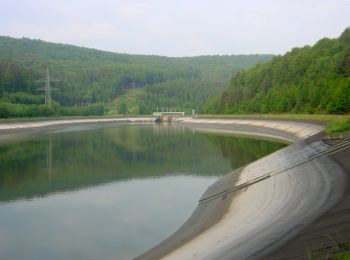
{"x":290,"y":131}
{"x":299,"y":133}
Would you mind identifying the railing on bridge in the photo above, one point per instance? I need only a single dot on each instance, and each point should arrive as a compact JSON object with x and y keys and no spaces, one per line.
{"x":168,"y":113}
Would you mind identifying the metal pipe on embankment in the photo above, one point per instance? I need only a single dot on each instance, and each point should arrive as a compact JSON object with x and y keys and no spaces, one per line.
{"x":253,"y":211}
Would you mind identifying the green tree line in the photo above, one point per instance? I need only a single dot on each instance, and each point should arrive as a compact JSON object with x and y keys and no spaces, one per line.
{"x":305,"y":80}
{"x":89,"y":76}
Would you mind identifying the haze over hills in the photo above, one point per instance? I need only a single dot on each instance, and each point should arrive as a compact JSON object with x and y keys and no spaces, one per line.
{"x":305,"y":80}
{"x":94,"y":82}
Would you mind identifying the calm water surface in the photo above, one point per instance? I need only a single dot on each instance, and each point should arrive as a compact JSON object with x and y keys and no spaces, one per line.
{"x":111,"y":192}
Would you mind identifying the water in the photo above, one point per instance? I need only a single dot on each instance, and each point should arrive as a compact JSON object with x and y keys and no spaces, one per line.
{"x":111,"y":192}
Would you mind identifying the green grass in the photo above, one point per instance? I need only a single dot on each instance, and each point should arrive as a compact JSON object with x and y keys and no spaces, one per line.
{"x":337,"y":126}
{"x":342,"y":252}
{"x":341,"y":256}
{"x":333,"y":249}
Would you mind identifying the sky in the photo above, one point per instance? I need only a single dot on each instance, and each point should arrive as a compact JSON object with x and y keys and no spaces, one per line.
{"x":177,"y":27}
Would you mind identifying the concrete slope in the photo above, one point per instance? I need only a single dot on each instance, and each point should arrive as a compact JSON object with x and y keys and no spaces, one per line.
{"x":8,"y":126}
{"x":254,"y":211}
{"x":16,"y":130}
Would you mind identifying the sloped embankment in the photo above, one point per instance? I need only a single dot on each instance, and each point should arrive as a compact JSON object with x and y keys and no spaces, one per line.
{"x":283,"y":205}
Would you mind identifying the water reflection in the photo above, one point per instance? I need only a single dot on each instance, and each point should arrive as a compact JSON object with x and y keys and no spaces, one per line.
{"x":115,"y":221}
{"x":49,"y":159}
{"x":241,"y":151}
{"x":69,"y":160}
{"x":90,"y":192}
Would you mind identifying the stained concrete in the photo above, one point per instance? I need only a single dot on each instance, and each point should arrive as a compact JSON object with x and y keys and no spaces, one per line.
{"x":259,"y":210}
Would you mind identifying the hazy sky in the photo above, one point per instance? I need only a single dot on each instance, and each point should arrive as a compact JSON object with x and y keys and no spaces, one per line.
{"x":177,"y":27}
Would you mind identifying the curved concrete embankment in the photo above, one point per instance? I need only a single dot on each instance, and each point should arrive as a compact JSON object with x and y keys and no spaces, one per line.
{"x":252,"y":212}
{"x":11,"y":130}
{"x":281,"y":206}
{"x":22,"y":125}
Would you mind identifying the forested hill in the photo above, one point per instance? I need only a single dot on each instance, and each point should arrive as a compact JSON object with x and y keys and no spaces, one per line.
{"x":122,"y":83}
{"x":308,"y":80}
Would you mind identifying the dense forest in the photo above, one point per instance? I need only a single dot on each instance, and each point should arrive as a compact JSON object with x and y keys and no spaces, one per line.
{"x":305,"y":80}
{"x":93,"y":82}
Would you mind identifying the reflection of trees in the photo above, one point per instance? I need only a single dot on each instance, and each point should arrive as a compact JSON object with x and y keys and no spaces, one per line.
{"x":74,"y":160}
{"x":241,"y":150}
{"x":49,"y":158}
{"x":160,"y":138}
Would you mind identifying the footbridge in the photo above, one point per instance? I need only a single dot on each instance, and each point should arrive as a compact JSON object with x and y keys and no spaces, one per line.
{"x":167,"y":116}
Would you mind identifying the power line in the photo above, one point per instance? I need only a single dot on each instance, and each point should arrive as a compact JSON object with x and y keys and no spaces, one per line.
{"x":48,"y":87}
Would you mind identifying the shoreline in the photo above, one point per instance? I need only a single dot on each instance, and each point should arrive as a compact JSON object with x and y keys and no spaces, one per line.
{"x":310,"y":176}
{"x":13,"y":125}
{"x":254,"y":211}
{"x":18,"y":130}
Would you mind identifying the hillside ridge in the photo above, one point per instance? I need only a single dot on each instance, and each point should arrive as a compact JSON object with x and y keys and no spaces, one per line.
{"x":304,"y":80}
{"x":128,"y":84}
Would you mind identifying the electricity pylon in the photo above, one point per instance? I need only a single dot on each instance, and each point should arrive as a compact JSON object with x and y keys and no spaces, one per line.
{"x":48,"y":87}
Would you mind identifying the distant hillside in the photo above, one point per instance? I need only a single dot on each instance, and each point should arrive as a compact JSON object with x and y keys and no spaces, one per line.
{"x":308,"y":80}
{"x":123,"y":83}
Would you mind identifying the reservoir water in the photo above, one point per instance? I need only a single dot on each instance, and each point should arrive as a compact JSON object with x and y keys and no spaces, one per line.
{"x":108,"y":192}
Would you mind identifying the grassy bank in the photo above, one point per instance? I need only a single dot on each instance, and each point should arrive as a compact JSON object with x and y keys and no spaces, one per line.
{"x":337,"y":126}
